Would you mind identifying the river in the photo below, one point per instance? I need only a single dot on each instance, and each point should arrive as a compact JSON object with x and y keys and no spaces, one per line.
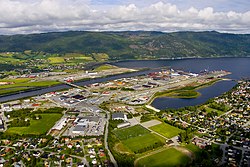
{"x":240,"y":67}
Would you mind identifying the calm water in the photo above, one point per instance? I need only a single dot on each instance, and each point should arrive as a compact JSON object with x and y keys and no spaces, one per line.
{"x":206,"y":93}
{"x":240,"y":67}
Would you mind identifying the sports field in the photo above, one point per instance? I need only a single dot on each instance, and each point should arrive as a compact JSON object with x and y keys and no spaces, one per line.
{"x":166,"y":158}
{"x":130,"y":132}
{"x":37,"y":127}
{"x":166,"y":130}
{"x":138,"y":139}
{"x":138,"y":143}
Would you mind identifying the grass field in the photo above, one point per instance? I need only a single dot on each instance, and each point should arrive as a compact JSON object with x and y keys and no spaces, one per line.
{"x":22,"y":84}
{"x":166,"y":130}
{"x":137,"y":143}
{"x":100,"y":57}
{"x":170,"y":157}
{"x":121,"y":148}
{"x":105,"y":67}
{"x":137,"y":139}
{"x":186,"y":94}
{"x":37,"y":127}
{"x":56,"y":60}
{"x":193,"y":148}
{"x":131,"y":132}
{"x":209,"y":110}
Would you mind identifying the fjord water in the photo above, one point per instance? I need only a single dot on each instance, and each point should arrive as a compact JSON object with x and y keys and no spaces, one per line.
{"x":240,"y":68}
{"x":206,"y":93}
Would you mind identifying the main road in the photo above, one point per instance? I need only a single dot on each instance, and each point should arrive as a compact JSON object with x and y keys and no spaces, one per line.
{"x":112,"y":159}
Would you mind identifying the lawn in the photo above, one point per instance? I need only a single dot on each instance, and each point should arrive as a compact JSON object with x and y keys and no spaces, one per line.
{"x":140,"y":142}
{"x":131,"y":132}
{"x":209,"y":110}
{"x":37,"y":127}
{"x":169,"y":157}
{"x":166,"y":130}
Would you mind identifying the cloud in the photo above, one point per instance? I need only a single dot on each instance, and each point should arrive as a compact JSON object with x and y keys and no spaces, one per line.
{"x":29,"y":16}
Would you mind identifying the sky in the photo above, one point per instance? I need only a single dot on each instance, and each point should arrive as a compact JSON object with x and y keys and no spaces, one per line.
{"x":37,"y":16}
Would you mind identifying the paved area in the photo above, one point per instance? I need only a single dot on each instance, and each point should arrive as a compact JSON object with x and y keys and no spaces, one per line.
{"x":133,"y":121}
{"x":151,"y":123}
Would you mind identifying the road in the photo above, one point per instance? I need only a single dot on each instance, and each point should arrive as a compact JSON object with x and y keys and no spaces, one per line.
{"x":112,"y":159}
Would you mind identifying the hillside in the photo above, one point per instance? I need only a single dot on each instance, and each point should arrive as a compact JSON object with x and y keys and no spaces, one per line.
{"x":132,"y":45}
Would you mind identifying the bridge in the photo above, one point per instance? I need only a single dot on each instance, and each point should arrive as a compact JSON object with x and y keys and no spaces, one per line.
{"x":71,"y":84}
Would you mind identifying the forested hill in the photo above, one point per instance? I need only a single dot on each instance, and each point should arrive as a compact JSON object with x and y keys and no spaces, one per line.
{"x":132,"y":45}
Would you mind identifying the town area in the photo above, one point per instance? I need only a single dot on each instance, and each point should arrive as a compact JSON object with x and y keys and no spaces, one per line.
{"x":113,"y":124}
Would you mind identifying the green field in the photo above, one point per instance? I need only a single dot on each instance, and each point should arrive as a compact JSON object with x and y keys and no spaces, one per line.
{"x":37,"y":127}
{"x":137,"y":139}
{"x":22,"y":84}
{"x":193,"y":148}
{"x":56,"y":60}
{"x":186,"y":94}
{"x":147,"y":140}
{"x":105,"y":67}
{"x":131,"y":132}
{"x":169,"y":157}
{"x":209,"y":110}
{"x":166,"y":130}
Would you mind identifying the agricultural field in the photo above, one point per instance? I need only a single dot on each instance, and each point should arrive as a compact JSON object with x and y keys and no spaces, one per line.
{"x":166,"y":130}
{"x":169,"y":157}
{"x":100,"y":57}
{"x":56,"y":60}
{"x":22,"y":84}
{"x":37,"y":127}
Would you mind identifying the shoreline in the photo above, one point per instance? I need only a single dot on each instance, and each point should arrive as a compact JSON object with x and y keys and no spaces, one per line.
{"x":208,"y":84}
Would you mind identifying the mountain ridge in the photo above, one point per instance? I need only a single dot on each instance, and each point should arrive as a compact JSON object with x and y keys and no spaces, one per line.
{"x":132,"y":44}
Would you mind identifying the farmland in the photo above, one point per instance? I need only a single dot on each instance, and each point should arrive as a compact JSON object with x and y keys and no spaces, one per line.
{"x":168,"y":157}
{"x":22,"y":84}
{"x":37,"y":127}
{"x":166,"y":130}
